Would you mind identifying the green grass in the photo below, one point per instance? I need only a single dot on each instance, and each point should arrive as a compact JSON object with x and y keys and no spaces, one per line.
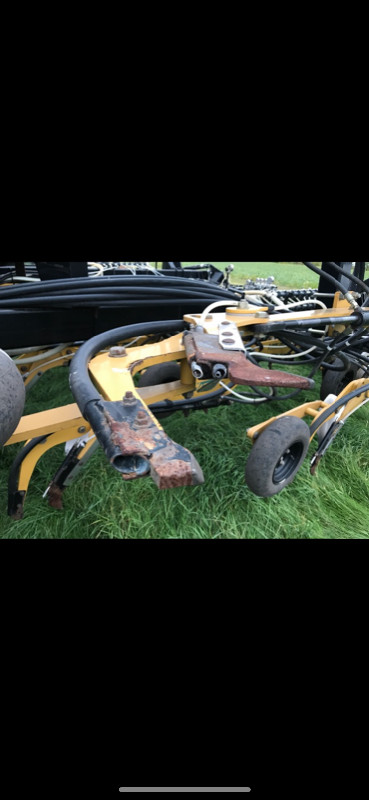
{"x":287,"y":275}
{"x":333,"y":505}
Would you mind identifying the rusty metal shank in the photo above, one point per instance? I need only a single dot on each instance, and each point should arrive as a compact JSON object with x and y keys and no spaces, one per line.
{"x":136,"y":446}
{"x":205,"y":349}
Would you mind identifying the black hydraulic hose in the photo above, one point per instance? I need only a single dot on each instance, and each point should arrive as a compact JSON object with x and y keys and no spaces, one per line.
{"x":292,"y":362}
{"x":291,"y":345}
{"x":176,"y":405}
{"x":327,"y":346}
{"x":115,"y":291}
{"x":143,"y":292}
{"x":81,"y":385}
{"x":201,"y":304}
{"x":317,"y":362}
{"x":202,"y":402}
{"x":353,"y":278}
{"x":57,"y":287}
{"x":330,"y":347}
{"x":97,"y":300}
{"x":139,"y":291}
{"x":330,"y":278}
{"x":274,"y":326}
{"x":308,"y":340}
{"x":346,"y":342}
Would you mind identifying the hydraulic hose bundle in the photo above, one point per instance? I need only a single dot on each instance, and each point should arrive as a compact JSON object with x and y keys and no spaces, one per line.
{"x":132,"y":291}
{"x":47,"y":312}
{"x":75,"y":309}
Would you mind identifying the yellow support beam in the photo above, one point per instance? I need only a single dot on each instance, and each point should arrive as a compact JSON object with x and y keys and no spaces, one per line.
{"x":47,"y":422}
{"x":28,"y":465}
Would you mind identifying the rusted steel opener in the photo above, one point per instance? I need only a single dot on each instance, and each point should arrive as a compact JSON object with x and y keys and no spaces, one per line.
{"x":224,"y":356}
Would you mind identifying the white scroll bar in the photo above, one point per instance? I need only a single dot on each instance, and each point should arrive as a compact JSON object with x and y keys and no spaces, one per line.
{"x":185,"y":789}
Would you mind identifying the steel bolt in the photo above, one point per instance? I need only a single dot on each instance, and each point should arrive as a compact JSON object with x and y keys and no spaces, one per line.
{"x":82,"y":429}
{"x":142,"y":419}
{"x":129,"y":399}
{"x":117,"y":352}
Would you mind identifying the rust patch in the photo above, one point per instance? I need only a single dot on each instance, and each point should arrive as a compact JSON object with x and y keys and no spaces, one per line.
{"x":55,"y":497}
{"x":18,"y":513}
{"x":315,"y":464}
{"x":171,"y":474}
{"x":245,"y":373}
{"x":135,"y":364}
{"x":205,"y":350}
{"x":134,"y":438}
{"x":171,"y":465}
{"x":128,"y":440}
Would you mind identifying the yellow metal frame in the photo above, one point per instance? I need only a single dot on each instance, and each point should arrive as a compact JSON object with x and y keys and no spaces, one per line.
{"x":59,"y":437}
{"x":115,"y":376}
{"x":44,"y":423}
{"x":60,"y":425}
{"x":243,"y":318}
{"x":37,"y":368}
{"x":318,"y":408}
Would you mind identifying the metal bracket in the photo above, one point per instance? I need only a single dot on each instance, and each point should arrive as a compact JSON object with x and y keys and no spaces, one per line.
{"x":136,"y":445}
{"x":205,"y":353}
{"x":229,"y":337}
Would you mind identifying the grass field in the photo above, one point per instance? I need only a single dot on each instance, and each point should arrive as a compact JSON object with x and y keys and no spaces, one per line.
{"x":286,"y":275}
{"x":334,"y":504}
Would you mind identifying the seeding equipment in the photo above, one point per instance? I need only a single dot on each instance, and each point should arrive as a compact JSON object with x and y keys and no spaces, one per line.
{"x":246,"y":346}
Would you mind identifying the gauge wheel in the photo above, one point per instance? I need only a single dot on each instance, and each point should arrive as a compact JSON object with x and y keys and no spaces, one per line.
{"x":160,"y":373}
{"x":12,"y":397}
{"x":277,"y":455}
{"x":335,"y":382}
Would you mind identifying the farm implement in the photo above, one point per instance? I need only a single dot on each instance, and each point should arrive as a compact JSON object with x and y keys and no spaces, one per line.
{"x":262,"y":346}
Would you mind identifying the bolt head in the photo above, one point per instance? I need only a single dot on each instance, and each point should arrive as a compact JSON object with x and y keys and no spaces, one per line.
{"x":129,"y":399}
{"x":142,"y":419}
{"x":117,"y":352}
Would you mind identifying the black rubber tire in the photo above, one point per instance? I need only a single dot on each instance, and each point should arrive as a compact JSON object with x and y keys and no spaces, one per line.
{"x":287,"y":438}
{"x":12,"y":397}
{"x":334,"y":382}
{"x":160,"y":373}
